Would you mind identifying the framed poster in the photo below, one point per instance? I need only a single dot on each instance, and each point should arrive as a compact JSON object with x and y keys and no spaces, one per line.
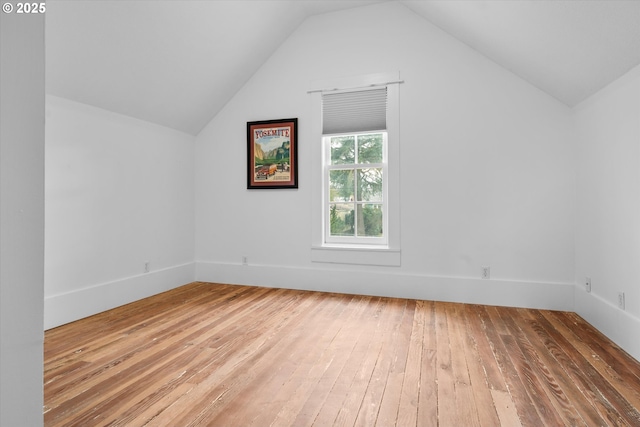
{"x":272,"y":154}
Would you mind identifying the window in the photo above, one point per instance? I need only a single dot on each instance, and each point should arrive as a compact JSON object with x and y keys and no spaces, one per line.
{"x":355,"y":191}
{"x":354,"y":124}
{"x":356,"y":214}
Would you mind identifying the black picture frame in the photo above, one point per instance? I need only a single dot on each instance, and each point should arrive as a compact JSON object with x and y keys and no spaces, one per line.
{"x":272,"y":154}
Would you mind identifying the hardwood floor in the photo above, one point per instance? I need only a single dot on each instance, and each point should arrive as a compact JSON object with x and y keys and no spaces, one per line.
{"x":219,"y":355}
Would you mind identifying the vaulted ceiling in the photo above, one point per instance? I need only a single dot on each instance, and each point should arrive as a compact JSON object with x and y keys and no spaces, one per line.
{"x":177,"y":63}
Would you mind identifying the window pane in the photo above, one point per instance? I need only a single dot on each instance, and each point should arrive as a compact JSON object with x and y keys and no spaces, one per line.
{"x":341,"y":219}
{"x":369,"y":220}
{"x":370,"y":185}
{"x":343,"y":150}
{"x":370,"y":148}
{"x":341,"y":188}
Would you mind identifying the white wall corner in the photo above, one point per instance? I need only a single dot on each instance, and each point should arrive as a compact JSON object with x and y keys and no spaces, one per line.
{"x":618,"y":325}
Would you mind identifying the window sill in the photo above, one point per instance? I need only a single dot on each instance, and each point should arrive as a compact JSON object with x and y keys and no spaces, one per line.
{"x":357,"y":255}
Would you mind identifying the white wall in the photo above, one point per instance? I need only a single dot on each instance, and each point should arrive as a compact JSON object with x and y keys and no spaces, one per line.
{"x":608,"y":209}
{"x":488,"y":177}
{"x":21,"y":218}
{"x":487,"y":174}
{"x":119,"y":193}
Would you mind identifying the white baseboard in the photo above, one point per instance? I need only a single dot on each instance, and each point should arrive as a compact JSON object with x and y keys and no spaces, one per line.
{"x":618,"y":325}
{"x":71,"y":306}
{"x":551,"y":296}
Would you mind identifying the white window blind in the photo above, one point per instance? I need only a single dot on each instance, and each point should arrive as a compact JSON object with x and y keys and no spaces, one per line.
{"x":355,"y":111}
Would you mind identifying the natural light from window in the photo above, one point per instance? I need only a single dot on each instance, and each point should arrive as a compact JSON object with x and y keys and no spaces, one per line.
{"x":355,"y":190}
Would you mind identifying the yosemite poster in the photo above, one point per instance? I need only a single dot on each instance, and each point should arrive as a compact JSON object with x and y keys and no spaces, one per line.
{"x":272,"y":154}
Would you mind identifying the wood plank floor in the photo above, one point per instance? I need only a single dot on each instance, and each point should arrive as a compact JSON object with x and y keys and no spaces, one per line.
{"x":217,"y":355}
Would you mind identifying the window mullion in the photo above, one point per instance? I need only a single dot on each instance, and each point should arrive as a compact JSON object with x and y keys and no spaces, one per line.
{"x":355,"y":196}
{"x":356,"y":161}
{"x":341,"y":167}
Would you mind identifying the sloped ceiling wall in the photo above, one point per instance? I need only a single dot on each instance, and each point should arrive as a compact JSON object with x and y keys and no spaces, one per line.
{"x":177,"y":63}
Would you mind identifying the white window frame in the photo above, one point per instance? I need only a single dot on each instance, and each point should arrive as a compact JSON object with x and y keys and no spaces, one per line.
{"x":386,"y":254}
{"x":355,"y":240}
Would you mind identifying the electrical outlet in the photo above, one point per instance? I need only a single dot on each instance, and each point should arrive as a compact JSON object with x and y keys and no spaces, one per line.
{"x":245,"y":260}
{"x":486,"y":272}
{"x":621,"y":300}
{"x":147,"y":266}
{"x":587,"y":284}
